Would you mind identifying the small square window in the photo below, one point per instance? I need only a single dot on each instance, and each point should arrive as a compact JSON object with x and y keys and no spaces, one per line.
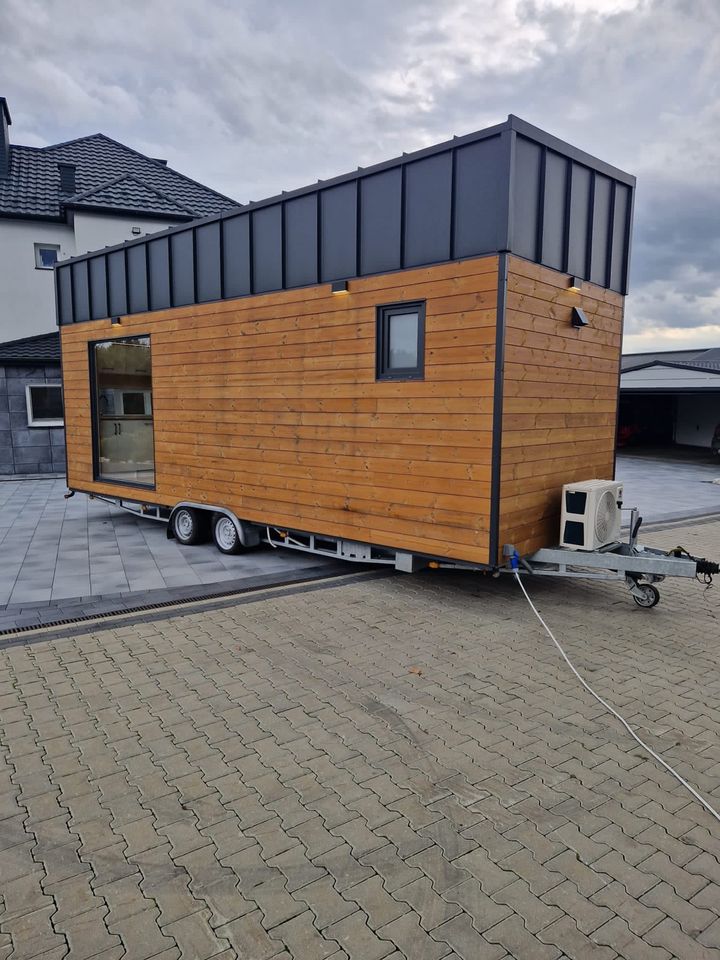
{"x":44,"y":404}
{"x":46,"y":255}
{"x":401,"y":341}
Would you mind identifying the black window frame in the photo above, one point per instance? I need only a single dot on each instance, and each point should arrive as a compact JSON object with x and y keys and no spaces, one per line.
{"x":383,"y":370}
{"x":95,"y":420}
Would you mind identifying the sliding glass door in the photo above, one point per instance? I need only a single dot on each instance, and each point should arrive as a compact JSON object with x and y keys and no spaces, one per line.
{"x":123,"y":420}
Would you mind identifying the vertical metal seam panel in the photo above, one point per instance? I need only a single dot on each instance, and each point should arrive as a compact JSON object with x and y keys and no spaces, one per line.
{"x":127,"y":280}
{"x":283,"y":246}
{"x":541,"y":206}
{"x":453,"y":200}
{"x":251,"y":251}
{"x":568,"y":208}
{"x":629,"y":210}
{"x":58,"y":308}
{"x":610,"y":235}
{"x":221,"y":248}
{"x":507,"y":228}
{"x":318,"y":236}
{"x":498,"y":386}
{"x":358,"y":229}
{"x":171,"y":273}
{"x":89,"y":292}
{"x":403,"y":213}
{"x":147,"y":275}
{"x":590,"y":228}
{"x":193,"y":259}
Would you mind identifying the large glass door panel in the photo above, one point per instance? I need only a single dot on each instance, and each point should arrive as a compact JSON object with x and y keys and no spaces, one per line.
{"x":122,"y":387}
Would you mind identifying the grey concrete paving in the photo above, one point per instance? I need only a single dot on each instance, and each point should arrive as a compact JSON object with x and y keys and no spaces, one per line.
{"x":670,"y":485}
{"x":71,"y":554}
{"x":392,"y":769}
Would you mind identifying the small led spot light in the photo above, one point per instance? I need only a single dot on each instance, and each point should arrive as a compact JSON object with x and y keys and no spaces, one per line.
{"x":115,"y":321}
{"x":339,"y":286}
{"x":579,"y":318}
{"x":575,"y":284}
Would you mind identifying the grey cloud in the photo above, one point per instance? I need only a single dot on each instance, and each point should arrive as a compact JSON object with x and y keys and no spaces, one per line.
{"x":267,"y":95}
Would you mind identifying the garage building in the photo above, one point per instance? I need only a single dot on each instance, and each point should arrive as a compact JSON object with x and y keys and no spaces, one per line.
{"x":670,"y":398}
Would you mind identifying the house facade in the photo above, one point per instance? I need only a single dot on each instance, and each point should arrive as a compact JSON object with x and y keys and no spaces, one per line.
{"x":57,"y":202}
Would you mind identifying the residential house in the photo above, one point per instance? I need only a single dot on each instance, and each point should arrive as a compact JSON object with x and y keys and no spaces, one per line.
{"x":56,"y":202}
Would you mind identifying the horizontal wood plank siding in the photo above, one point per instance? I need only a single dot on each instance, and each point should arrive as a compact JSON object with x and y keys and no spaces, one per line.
{"x":559,"y":398}
{"x":269,"y":405}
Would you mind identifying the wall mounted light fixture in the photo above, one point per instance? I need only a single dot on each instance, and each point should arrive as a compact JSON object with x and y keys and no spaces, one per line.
{"x":339,"y":286}
{"x":575,"y":284}
{"x":115,"y":321}
{"x":579,"y":319}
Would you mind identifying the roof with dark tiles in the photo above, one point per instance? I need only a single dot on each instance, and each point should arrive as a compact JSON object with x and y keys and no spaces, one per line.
{"x":109,"y":175}
{"x":44,"y":348}
{"x":708,"y":359}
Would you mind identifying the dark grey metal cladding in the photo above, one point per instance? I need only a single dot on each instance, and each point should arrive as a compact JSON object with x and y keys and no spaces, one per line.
{"x":137,"y":273}
{"x":301,"y":236}
{"x":428,"y":210}
{"x":237,"y":272}
{"x":182,"y":255}
{"x":480,"y":198}
{"x":570,"y":216}
{"x":338,"y":232}
{"x":81,"y":292}
{"x":381,"y":210}
{"x":117,"y":283}
{"x":267,"y":261}
{"x":208,"y":262}
{"x":98,"y":288}
{"x":511,"y":188}
{"x":159,"y":275}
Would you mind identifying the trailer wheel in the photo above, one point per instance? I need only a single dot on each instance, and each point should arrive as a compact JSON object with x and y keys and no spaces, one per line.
{"x":225,"y":535}
{"x":187,"y":526}
{"x":650,"y":595}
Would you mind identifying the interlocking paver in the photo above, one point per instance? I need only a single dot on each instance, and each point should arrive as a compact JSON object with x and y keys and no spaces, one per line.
{"x":183,"y":783}
{"x":379,"y":906}
{"x":357,"y":939}
{"x":618,"y":935}
{"x":431,"y":908}
{"x":303,"y":940}
{"x":466,"y":942}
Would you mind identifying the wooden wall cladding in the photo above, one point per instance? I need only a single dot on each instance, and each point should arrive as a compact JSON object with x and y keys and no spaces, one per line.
{"x":269,"y":405}
{"x":560,"y":394}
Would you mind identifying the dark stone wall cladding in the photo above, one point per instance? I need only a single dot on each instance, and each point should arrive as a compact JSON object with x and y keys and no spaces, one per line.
{"x":25,"y":449}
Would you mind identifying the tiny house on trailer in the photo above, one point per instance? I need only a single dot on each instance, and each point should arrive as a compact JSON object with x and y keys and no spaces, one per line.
{"x":403,"y":363}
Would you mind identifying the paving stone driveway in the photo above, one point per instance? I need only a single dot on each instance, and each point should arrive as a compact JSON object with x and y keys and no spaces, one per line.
{"x":389,"y":767}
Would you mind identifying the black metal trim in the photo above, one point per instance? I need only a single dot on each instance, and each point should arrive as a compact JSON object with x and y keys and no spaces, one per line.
{"x":383,"y":313}
{"x":496,"y":476}
{"x":94,"y":421}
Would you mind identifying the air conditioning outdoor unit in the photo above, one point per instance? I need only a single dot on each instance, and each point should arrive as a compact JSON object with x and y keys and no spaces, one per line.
{"x":590,"y":516}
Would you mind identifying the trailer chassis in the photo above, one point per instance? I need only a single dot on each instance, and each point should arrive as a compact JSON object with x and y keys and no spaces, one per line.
{"x":639,"y":566}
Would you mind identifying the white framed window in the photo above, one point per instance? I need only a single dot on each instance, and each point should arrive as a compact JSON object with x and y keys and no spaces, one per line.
{"x":46,"y":255}
{"x":44,"y":404}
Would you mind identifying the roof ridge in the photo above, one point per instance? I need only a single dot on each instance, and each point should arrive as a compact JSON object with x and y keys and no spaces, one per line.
{"x":119,"y":179}
{"x":162,"y":166}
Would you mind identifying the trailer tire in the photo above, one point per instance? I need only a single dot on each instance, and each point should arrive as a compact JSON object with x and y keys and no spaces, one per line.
{"x":225,"y":534}
{"x":188,"y":526}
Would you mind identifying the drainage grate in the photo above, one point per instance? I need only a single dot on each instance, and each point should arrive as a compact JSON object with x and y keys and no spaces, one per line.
{"x":177,"y":602}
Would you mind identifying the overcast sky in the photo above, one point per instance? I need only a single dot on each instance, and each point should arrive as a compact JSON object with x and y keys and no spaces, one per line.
{"x":256,"y":96}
